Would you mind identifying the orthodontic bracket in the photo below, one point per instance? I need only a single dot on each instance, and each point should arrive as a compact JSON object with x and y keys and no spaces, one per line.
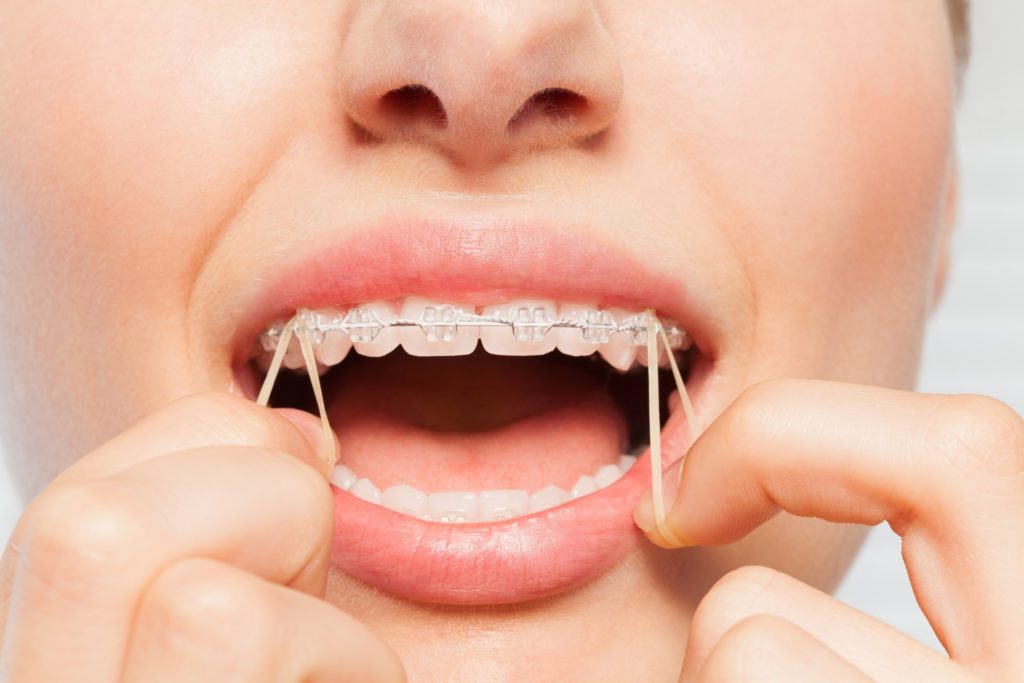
{"x":442,"y":323}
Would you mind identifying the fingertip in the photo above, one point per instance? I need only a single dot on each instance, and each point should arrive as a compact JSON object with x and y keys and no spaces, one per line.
{"x":664,"y":533}
{"x":643,"y":513}
{"x":312,"y":429}
{"x":662,"y":536}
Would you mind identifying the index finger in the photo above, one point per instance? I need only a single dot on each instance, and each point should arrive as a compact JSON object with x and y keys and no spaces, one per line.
{"x":193,"y":478}
{"x":207,"y":419}
{"x":195,"y":421}
{"x":945,"y":472}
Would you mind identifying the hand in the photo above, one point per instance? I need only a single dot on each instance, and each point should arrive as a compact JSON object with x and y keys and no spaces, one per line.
{"x":946,"y":473}
{"x":193,"y":547}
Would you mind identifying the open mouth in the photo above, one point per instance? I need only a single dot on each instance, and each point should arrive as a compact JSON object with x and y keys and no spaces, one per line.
{"x":488,"y":388}
{"x":459,"y":414}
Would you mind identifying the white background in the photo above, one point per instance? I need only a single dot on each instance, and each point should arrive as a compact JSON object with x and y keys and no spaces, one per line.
{"x":976,"y":342}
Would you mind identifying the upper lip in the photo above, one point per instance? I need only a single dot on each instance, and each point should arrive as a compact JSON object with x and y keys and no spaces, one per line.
{"x":471,"y":260}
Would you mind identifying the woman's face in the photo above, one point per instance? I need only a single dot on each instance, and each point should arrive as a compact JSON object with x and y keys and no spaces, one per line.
{"x":774,"y":173}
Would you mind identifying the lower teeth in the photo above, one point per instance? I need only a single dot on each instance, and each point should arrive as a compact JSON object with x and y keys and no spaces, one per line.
{"x":460,"y":507}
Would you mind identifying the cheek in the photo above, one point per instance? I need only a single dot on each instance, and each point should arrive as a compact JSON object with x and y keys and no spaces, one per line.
{"x":131,"y":134}
{"x":831,"y":131}
{"x":817,"y":135}
{"x":139,"y":127}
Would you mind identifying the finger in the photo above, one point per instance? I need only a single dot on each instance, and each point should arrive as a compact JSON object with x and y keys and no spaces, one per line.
{"x":874,"y":648}
{"x":767,"y":648}
{"x":202,"y":620}
{"x":945,"y":472}
{"x":90,"y":548}
{"x":209,"y":419}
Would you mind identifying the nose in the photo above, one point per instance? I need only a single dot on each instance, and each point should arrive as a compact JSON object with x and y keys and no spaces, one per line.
{"x":480,"y":79}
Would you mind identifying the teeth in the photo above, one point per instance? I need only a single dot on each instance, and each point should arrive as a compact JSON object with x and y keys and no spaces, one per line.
{"x":638,"y":338}
{"x":293,"y":358}
{"x":548,"y":497}
{"x":503,"y":504}
{"x":405,"y":499}
{"x":437,"y":333}
{"x":571,"y":340}
{"x":607,"y":475}
{"x":524,"y":327}
{"x":599,"y":326}
{"x":371,"y":336}
{"x":678,"y":339}
{"x":619,"y":351}
{"x":530,"y":332}
{"x":343,"y":477}
{"x":458,"y":507}
{"x":453,"y":507}
{"x":365,"y":489}
{"x":583,"y":486}
{"x":333,"y":349}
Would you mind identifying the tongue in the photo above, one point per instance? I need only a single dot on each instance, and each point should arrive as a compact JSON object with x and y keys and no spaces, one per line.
{"x":474,"y":422}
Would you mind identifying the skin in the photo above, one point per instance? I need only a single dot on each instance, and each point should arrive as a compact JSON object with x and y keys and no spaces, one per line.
{"x":791,"y":158}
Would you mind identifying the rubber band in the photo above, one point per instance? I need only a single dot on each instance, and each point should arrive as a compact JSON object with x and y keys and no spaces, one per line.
{"x":654,"y":417}
{"x":314,"y":379}
{"x":684,"y":396}
{"x":300,"y":329}
{"x":275,"y":364}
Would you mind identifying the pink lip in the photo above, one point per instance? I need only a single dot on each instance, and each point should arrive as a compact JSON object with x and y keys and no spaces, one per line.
{"x":471,"y":260}
{"x":481,"y":260}
{"x":515,"y":560}
{"x":520,"y":559}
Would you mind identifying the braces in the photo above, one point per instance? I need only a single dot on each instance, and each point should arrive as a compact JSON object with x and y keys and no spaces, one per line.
{"x":442,"y":323}
{"x":305,"y":324}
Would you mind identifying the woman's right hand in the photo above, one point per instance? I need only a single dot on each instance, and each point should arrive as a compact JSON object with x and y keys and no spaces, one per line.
{"x":192,"y":547}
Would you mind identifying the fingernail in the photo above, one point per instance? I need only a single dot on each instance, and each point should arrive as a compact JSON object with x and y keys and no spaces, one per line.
{"x":312,"y":429}
{"x":670,"y":484}
{"x":643,"y":513}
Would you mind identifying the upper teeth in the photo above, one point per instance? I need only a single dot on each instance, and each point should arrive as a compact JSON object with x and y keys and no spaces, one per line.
{"x":427,"y":328}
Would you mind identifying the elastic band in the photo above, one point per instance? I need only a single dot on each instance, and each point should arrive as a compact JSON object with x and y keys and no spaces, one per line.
{"x":314,"y":378}
{"x":684,"y":396}
{"x":654,"y":417}
{"x":275,"y":364}
{"x":298,"y":327}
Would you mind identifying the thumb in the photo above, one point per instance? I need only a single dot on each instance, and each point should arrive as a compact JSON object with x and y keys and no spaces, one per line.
{"x":644,"y":514}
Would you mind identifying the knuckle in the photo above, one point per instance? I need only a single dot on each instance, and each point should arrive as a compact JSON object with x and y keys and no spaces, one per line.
{"x":769,"y":392}
{"x":982,"y":436}
{"x":743,"y":651}
{"x":211,"y":608}
{"x":729,"y":602}
{"x":757,"y":397}
{"x":757,"y":409}
{"x":83,"y":530}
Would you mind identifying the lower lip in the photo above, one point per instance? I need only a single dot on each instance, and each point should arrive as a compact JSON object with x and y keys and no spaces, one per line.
{"x":520,"y":559}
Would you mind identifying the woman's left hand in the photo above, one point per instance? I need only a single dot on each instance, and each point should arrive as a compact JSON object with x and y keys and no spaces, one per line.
{"x":946,"y":473}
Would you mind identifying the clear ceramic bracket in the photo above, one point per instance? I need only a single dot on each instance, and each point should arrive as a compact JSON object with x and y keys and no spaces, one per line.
{"x":442,"y":323}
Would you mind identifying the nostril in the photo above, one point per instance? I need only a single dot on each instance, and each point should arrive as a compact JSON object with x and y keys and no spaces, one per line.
{"x":413,"y":104}
{"x":558,"y":106}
